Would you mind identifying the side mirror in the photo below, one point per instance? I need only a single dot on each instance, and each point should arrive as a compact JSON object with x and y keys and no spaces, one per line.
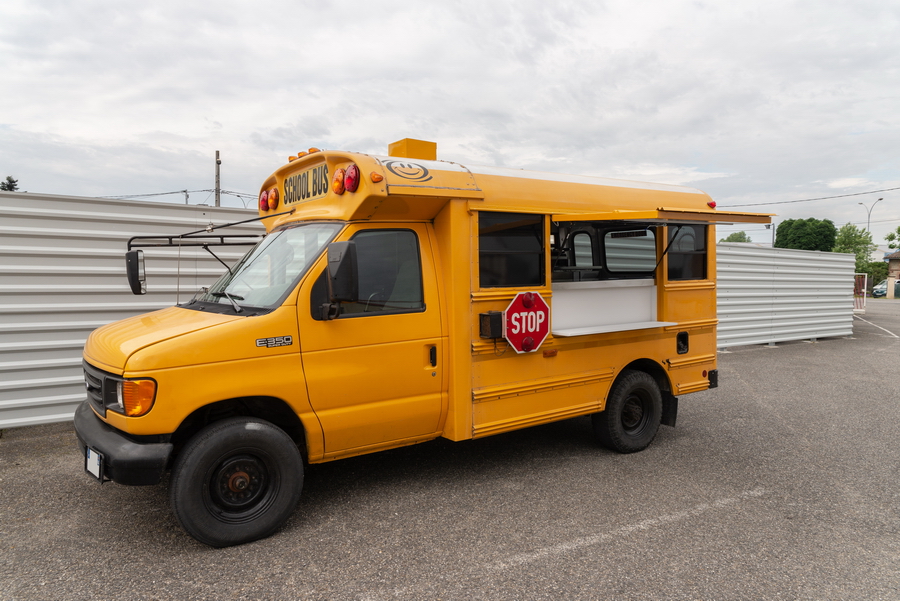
{"x":343,"y":280}
{"x":134,"y":268}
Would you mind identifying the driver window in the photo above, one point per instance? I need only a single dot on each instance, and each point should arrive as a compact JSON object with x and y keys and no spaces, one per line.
{"x":389,"y":272}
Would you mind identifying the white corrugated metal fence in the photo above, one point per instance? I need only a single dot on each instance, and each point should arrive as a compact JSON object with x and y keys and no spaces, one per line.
{"x":62,"y":274}
{"x":767,"y":295}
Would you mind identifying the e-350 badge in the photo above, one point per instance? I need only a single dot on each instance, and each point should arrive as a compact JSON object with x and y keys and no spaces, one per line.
{"x":275,"y":341}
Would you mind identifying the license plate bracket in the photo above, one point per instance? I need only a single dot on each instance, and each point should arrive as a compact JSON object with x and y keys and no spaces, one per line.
{"x":93,"y":463}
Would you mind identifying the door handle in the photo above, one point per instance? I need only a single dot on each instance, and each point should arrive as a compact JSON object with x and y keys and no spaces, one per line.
{"x":433,"y":355}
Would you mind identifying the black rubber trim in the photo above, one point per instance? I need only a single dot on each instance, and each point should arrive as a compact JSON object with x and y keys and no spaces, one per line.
{"x":125,"y":461}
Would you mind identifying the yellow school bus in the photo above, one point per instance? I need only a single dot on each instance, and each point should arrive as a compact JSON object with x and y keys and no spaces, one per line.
{"x":396,"y":299}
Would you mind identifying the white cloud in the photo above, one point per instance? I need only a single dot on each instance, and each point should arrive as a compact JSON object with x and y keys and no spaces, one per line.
{"x":851,"y":182}
{"x":752,"y":102}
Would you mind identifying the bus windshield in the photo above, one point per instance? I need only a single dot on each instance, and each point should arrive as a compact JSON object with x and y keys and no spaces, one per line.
{"x":266,"y":274}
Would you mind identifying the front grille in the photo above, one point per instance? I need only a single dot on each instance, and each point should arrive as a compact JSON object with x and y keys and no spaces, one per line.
{"x":101,"y":388}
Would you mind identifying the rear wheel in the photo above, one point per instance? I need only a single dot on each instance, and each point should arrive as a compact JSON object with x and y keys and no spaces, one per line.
{"x":236,"y":481}
{"x":632,"y":415}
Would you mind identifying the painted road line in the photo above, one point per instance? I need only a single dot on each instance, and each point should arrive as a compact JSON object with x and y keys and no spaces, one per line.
{"x":877,"y":326}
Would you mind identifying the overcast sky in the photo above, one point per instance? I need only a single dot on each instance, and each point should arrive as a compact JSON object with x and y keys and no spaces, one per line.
{"x":753,"y":102}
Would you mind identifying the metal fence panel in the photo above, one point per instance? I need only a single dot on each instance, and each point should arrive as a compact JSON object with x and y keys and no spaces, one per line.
{"x":767,"y":295}
{"x":62,"y":274}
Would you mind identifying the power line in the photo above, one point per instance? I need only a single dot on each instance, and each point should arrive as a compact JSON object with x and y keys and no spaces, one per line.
{"x":784,"y":202}
{"x":228,"y":192}
{"x":126,"y":196}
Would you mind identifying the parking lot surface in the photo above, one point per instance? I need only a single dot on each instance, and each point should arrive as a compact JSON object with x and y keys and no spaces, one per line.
{"x":780,"y":484}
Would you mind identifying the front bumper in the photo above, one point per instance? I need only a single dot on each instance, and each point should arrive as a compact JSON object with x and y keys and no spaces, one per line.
{"x":124,"y":460}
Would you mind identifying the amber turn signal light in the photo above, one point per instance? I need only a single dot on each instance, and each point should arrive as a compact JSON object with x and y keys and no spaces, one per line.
{"x":337,"y":182}
{"x":137,"y":396}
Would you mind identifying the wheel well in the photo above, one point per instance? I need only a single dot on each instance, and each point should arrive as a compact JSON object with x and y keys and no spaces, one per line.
{"x":670,"y":401}
{"x":271,"y":409}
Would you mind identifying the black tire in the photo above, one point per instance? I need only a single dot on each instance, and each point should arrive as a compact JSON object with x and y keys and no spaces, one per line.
{"x":236,"y":481}
{"x":632,"y":415}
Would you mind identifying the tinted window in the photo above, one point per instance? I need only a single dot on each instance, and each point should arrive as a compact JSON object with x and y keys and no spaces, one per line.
{"x":389,"y":275}
{"x":510,"y":249}
{"x":687,"y":252}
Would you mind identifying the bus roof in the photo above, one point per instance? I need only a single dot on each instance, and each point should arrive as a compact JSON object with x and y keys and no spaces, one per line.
{"x":404,"y":188}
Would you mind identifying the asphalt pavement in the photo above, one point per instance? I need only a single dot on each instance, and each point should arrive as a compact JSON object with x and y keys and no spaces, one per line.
{"x":780,"y":484}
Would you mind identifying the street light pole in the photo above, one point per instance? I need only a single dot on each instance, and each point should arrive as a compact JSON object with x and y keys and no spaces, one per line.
{"x":869,"y":209}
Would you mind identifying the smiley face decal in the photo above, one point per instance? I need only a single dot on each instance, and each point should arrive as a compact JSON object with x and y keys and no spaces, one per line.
{"x":411,"y":171}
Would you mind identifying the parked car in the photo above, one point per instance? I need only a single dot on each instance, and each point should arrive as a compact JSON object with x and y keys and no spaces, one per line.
{"x":880,"y":289}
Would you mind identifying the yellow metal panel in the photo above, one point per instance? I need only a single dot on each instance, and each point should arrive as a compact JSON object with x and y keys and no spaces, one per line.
{"x":452,"y":228}
{"x":110,"y":346}
{"x":369,"y":395}
{"x":413,"y":149}
{"x":231,"y":340}
{"x":369,"y":377}
{"x":182,"y":390}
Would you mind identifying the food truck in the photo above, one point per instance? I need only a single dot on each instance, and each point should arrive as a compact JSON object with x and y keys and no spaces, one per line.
{"x":393,"y":300}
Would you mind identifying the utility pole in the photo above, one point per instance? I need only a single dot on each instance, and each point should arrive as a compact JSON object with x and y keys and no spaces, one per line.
{"x":218,"y":188}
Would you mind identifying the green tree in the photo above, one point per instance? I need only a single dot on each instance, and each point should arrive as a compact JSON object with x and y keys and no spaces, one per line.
{"x":10,"y":185}
{"x":893,"y":238}
{"x":806,"y":234}
{"x":737,"y":237}
{"x":851,"y":239}
{"x":877,"y":271}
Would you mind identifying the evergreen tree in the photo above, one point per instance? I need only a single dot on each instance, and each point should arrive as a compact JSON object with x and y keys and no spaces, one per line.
{"x":10,"y":185}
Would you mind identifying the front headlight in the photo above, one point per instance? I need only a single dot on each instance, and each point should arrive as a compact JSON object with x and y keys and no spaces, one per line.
{"x":136,"y":396}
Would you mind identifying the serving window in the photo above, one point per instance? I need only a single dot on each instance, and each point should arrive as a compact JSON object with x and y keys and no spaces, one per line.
{"x":592,"y":251}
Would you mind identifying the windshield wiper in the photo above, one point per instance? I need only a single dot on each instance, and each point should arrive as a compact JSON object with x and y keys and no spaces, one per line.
{"x":231,"y":297}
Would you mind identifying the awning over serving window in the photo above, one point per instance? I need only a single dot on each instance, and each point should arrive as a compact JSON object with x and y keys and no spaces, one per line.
{"x":665,"y":215}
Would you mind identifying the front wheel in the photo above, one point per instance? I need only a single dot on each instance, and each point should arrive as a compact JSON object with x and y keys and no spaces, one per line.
{"x":632,"y":415}
{"x":236,"y":481}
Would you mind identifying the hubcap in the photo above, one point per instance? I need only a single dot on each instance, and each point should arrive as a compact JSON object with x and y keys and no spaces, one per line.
{"x":239,"y":483}
{"x":634,"y":414}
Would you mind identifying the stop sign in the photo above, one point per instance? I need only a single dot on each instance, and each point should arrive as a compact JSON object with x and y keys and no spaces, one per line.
{"x":526,"y":322}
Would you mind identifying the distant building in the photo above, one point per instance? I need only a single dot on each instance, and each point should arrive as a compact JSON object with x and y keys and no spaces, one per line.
{"x":893,"y":260}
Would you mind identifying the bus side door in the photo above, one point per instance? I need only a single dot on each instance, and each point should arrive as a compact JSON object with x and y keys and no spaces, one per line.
{"x":374,"y":373}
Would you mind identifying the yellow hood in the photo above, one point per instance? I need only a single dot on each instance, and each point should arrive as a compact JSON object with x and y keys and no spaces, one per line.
{"x":109,"y":347}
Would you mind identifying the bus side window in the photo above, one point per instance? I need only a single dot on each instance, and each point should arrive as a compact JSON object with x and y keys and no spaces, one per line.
{"x":687,"y":253}
{"x":510,"y":249}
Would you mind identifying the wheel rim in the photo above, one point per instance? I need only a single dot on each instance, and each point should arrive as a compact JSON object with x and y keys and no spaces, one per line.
{"x":240,"y":487}
{"x":635,"y":412}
